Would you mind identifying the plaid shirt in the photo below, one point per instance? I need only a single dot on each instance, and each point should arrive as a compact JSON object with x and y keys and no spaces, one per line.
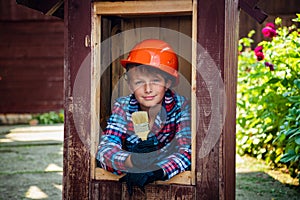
{"x":173,"y":125}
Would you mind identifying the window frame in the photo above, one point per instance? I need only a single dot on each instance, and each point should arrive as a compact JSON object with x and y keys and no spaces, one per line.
{"x":137,"y":8}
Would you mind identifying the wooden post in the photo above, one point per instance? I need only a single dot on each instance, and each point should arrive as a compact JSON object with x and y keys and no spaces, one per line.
{"x":218,"y":34}
{"x":76,"y":175}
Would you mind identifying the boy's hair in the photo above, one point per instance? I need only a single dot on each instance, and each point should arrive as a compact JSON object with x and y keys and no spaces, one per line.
{"x":150,"y":70}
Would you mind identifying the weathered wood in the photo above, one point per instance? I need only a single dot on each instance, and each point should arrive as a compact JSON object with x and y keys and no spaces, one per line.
{"x":227,"y":153}
{"x":10,"y":10}
{"x":183,"y":178}
{"x":111,"y":190}
{"x":210,"y":36}
{"x":217,"y":34}
{"x":76,"y":172}
{"x":31,"y":72}
{"x":143,"y":7}
{"x":212,"y":181}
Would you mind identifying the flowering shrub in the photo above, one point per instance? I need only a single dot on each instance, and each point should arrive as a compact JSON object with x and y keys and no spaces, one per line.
{"x":269,"y":30}
{"x":268,"y":101}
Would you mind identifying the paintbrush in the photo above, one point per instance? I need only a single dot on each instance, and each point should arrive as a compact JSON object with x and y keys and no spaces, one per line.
{"x":141,"y":124}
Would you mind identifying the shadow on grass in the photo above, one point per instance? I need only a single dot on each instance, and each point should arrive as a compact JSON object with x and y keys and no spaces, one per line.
{"x":262,"y":186}
{"x":31,"y":163}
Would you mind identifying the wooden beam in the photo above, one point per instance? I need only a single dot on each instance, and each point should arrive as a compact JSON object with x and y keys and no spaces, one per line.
{"x":143,"y":7}
{"x":227,"y":160}
{"x":183,"y":178}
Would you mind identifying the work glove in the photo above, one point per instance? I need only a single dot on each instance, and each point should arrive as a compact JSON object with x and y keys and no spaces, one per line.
{"x":141,"y":179}
{"x":146,"y":146}
{"x":144,"y":153}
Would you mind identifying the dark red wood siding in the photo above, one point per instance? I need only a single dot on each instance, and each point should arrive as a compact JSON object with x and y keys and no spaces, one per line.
{"x":31,"y":60}
{"x":76,"y":171}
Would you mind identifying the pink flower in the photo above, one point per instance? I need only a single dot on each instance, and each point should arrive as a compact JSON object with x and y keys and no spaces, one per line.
{"x":269,"y":30}
{"x":258,"y":49}
{"x":259,"y":56}
{"x":259,"y":53}
{"x":270,"y":24}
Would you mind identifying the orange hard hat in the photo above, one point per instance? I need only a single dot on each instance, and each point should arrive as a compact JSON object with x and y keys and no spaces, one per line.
{"x":155,"y":53}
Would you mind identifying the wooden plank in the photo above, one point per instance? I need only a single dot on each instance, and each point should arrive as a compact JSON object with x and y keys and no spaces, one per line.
{"x":150,"y":22}
{"x":95,"y":89}
{"x":183,"y":178}
{"x":210,"y":36}
{"x":115,"y":191}
{"x":32,"y":52}
{"x":194,"y":107}
{"x":143,"y":7}
{"x":23,"y":27}
{"x":183,"y":192}
{"x":52,"y":63}
{"x":185,"y":27}
{"x":109,"y":190}
{"x":76,"y":162}
{"x":227,"y":156}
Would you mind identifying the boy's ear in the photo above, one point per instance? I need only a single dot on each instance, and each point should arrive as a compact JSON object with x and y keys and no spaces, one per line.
{"x":168,"y":84}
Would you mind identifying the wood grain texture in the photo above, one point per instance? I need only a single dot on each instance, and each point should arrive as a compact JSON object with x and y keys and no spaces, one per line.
{"x":31,"y":66}
{"x":111,"y":190}
{"x":210,"y":36}
{"x":76,"y":170}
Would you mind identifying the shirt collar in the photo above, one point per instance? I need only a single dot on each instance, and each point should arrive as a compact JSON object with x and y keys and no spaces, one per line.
{"x":168,"y":103}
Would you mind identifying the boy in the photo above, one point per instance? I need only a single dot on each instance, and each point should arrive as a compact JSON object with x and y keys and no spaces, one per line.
{"x":151,"y":70}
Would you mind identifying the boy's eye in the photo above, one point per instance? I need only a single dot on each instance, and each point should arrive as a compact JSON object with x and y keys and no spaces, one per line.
{"x":156,"y":81}
{"x":138,"y":82}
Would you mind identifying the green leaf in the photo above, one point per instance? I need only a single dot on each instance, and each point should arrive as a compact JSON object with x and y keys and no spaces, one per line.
{"x":297,"y":141}
{"x":297,"y":19}
{"x":297,"y":83}
{"x":294,"y":99}
{"x":274,"y":80}
{"x":285,"y":82}
{"x":287,"y":157}
{"x":278,"y":21}
{"x":295,"y":134}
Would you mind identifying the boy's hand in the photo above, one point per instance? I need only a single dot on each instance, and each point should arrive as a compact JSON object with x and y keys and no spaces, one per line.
{"x":146,"y":146}
{"x":144,"y":153}
{"x":143,"y":160}
{"x":141,"y":179}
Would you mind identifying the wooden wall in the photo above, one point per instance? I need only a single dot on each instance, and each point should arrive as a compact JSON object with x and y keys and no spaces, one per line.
{"x":31,"y":60}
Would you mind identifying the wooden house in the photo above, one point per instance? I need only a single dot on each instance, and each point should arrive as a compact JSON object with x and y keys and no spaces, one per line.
{"x":99,"y":33}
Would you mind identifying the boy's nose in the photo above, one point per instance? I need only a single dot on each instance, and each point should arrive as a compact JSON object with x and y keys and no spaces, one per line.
{"x":148,"y":87}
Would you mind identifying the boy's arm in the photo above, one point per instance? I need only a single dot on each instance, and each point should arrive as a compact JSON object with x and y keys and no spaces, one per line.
{"x":180,"y":160}
{"x":110,"y":153}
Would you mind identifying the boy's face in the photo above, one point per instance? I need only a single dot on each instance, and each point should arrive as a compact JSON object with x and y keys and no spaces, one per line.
{"x":148,"y":88}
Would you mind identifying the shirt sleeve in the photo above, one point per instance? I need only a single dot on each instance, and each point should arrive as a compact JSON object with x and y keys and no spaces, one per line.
{"x":180,"y":160}
{"x":110,"y":153}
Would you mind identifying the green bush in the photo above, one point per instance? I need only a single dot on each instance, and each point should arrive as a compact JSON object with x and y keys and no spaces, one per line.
{"x":51,"y":117}
{"x":268,"y":96}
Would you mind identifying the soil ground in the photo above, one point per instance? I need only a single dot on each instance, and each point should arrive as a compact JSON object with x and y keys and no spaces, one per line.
{"x":31,"y":168}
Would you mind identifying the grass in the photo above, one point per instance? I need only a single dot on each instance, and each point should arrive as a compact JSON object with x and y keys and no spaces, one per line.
{"x":256,"y":180}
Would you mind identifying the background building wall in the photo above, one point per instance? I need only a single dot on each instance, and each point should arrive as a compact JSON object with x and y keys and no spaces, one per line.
{"x":31,"y":60}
